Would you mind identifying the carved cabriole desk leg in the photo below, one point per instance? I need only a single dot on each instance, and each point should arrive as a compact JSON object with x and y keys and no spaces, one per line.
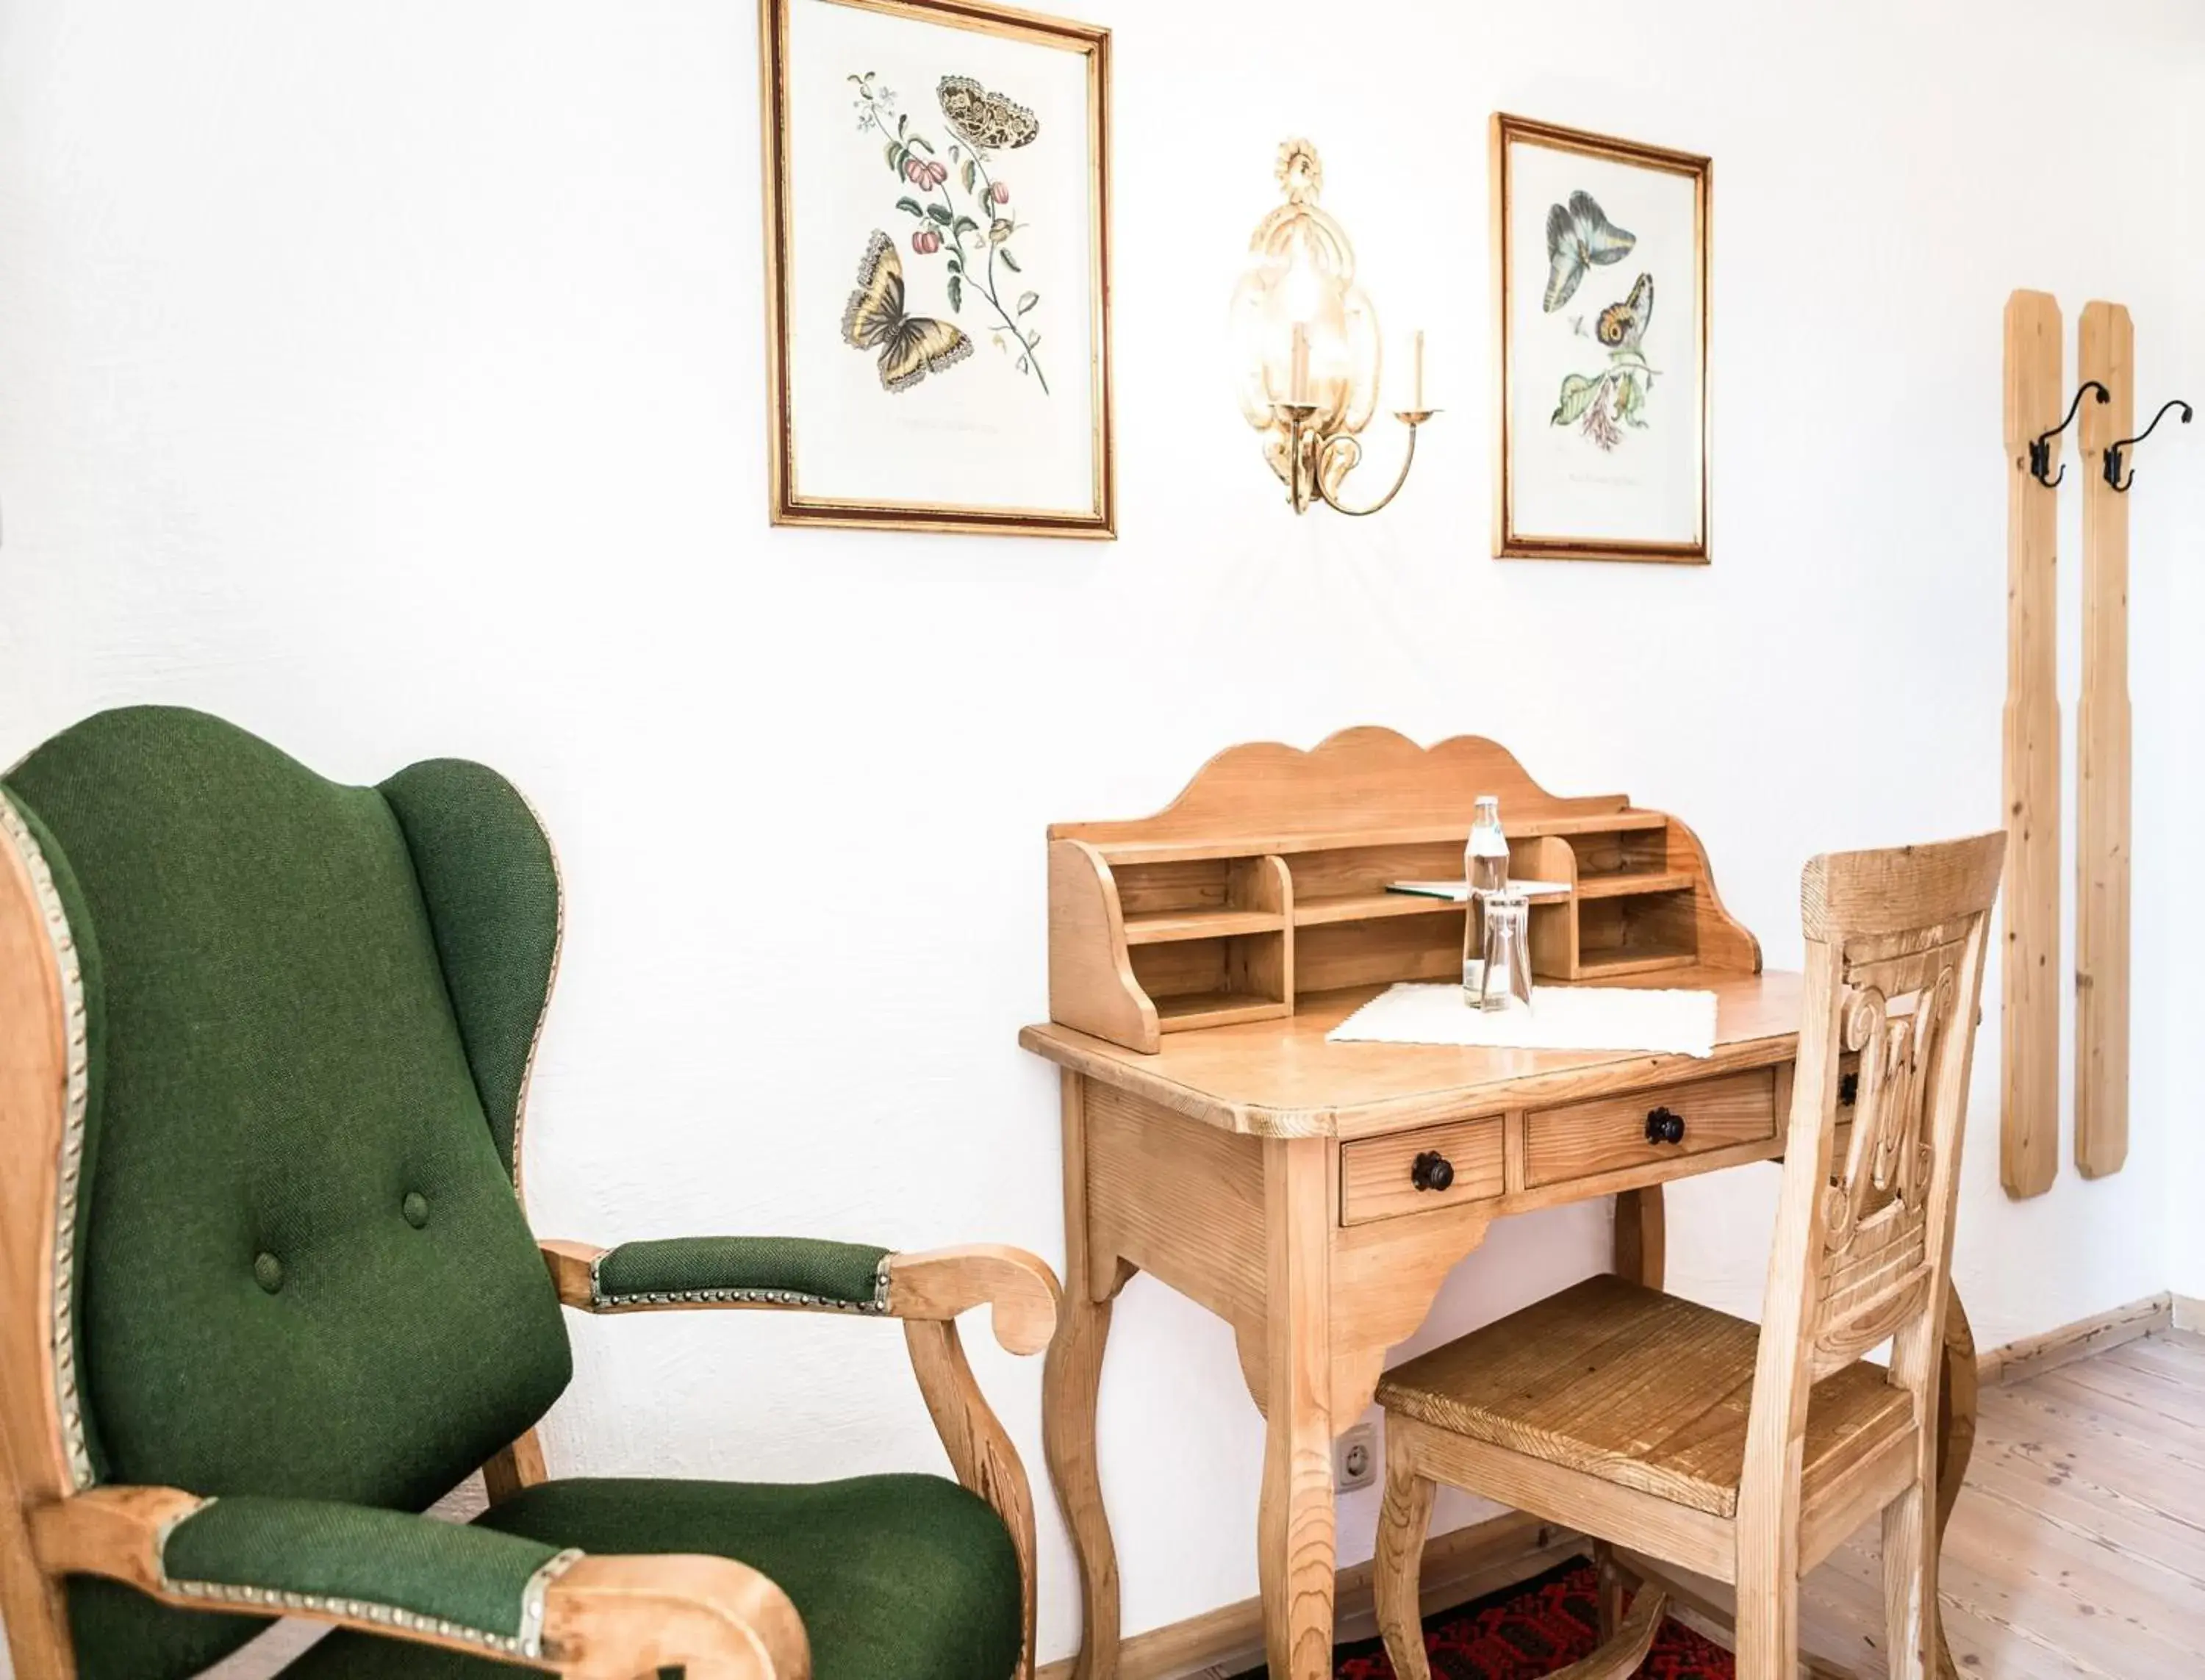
{"x":1956,"y":1438}
{"x":1071,"y":1377}
{"x":1295,"y":1533}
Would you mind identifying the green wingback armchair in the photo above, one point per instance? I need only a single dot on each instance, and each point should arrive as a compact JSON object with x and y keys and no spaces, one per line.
{"x":267,"y":1289}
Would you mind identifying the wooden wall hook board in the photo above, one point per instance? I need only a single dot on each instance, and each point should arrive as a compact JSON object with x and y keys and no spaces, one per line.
{"x":2041,"y":450}
{"x":2106,"y":349}
{"x":2030,"y":1034}
{"x":2120,"y":446}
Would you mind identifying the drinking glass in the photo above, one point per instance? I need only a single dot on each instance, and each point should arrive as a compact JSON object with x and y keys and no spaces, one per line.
{"x":1506,"y":982}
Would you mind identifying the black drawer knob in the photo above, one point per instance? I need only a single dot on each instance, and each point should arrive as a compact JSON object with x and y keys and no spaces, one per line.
{"x":1848,"y":1089}
{"x":1431,"y":1171}
{"x":1665,"y":1125}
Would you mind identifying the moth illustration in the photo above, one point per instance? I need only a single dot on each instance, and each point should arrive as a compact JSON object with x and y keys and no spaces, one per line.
{"x":1622,"y":325}
{"x":985,"y":121}
{"x":1579,"y":235}
{"x":911,"y":346}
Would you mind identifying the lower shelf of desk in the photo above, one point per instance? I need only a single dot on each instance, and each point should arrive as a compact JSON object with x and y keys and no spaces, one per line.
{"x":1190,"y":1011}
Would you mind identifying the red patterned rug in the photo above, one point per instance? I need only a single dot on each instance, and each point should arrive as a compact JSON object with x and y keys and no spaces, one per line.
{"x":1528,"y":1631}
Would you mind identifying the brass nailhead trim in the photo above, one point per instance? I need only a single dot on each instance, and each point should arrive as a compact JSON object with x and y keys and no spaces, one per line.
{"x":70,"y":1179}
{"x":533,"y":1595}
{"x":601,"y":1302}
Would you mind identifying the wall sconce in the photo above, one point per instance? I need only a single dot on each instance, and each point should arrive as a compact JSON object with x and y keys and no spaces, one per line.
{"x":1307,"y":339}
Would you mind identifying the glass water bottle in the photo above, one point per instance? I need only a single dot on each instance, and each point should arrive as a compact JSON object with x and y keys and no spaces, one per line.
{"x":1485,"y":867}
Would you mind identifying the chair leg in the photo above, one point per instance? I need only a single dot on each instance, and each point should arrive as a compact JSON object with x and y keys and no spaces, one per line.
{"x":1767,"y":1619}
{"x":1620,"y":1658}
{"x":1910,"y":1585}
{"x":1404,"y":1517}
{"x":1611,"y":1588}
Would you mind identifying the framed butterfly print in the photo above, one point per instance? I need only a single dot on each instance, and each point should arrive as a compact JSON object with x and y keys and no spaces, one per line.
{"x":1600,"y":257}
{"x":937,"y":267}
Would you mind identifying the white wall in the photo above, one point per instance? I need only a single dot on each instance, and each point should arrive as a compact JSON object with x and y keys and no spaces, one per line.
{"x":388,"y":379}
{"x":2180,"y":791}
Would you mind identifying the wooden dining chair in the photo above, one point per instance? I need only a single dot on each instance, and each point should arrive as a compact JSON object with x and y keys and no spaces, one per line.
{"x":1693,"y":1438}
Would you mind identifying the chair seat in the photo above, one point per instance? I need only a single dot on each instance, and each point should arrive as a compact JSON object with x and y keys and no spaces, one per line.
{"x":897,"y":1577}
{"x":1638,"y":1388}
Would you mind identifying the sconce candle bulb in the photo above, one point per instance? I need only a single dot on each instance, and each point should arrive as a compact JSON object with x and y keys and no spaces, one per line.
{"x":1307,"y":338}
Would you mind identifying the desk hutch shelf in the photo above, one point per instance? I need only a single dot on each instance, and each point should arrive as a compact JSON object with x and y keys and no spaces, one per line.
{"x":1265,"y":882}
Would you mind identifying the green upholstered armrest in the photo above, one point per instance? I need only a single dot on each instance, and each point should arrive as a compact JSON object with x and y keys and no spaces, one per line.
{"x":436,"y":1583}
{"x":742,"y":1271}
{"x":807,"y":1275}
{"x":475,"y":1585}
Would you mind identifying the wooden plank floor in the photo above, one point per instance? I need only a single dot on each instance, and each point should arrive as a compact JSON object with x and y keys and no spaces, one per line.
{"x":2077,"y":1548}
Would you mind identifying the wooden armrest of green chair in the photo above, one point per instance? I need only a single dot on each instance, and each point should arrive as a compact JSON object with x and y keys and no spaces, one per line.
{"x":467,"y":1589}
{"x":803,"y":1274}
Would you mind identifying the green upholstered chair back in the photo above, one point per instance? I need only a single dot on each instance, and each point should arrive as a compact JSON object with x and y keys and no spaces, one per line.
{"x":299,"y":1265}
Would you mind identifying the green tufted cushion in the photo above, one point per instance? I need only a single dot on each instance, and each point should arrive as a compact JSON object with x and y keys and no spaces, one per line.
{"x":897,"y":1577}
{"x":740,"y":1268}
{"x":282,"y":1068}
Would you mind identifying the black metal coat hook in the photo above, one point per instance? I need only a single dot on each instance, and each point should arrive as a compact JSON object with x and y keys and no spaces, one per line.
{"x":2113,"y":453}
{"x":2040,"y":452}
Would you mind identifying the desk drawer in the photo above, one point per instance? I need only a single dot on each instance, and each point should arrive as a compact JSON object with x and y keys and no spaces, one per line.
{"x":1380,"y":1176}
{"x":1586,"y":1139}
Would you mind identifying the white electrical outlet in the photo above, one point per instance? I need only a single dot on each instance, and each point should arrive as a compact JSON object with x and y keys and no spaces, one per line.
{"x":1355,"y":1458}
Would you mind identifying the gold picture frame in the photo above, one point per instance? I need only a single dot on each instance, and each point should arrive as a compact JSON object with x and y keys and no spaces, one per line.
{"x":1092,"y":513}
{"x":1609,"y":404}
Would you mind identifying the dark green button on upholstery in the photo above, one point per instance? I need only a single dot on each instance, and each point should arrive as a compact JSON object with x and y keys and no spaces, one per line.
{"x":268,"y":1272}
{"x":416,"y":1209}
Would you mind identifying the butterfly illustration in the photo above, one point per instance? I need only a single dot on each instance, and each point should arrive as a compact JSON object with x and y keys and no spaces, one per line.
{"x":911,"y":346}
{"x":1579,"y":234}
{"x":1622,"y":325}
{"x":986,"y":121}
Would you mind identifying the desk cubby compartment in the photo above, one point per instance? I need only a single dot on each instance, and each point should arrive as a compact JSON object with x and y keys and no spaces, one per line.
{"x":1166,"y":944}
{"x":1265,"y":882}
{"x":1212,"y":982}
{"x":1201,"y":899}
{"x":1640,"y":901}
{"x":1635,"y":935}
{"x":1333,"y":955}
{"x":1348,"y":883}
{"x":1631,"y":861}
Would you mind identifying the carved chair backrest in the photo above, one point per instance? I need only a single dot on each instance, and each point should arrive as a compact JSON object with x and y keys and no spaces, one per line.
{"x":1895,"y":947}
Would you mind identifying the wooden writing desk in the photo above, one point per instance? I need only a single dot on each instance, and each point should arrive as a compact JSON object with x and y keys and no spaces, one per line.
{"x":1213,"y":1138}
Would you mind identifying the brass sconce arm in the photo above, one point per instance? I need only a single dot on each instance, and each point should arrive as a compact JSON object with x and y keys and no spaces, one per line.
{"x":1328,"y":459}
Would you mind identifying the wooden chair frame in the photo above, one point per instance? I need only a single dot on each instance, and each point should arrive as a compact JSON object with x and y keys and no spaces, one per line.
{"x":1895,"y":950}
{"x":605,"y":1618}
